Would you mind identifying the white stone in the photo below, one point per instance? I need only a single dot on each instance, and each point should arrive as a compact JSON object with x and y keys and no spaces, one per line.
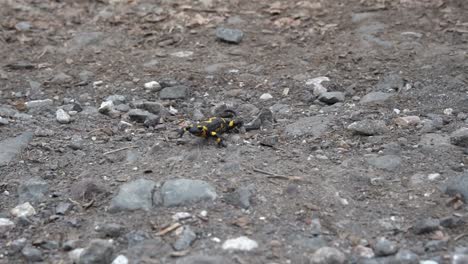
{"x":106,"y":107}
{"x":181,"y":216}
{"x":428,"y":262}
{"x":153,"y":85}
{"x":182,"y":54}
{"x":62,"y":116}
{"x":23,"y":210}
{"x":172,"y":110}
{"x":317,"y":83}
{"x":448,"y":111}
{"x":433,"y":176}
{"x":242,"y":243}
{"x":120,"y":259}
{"x":5,"y":224}
{"x":204,"y":213}
{"x":75,"y":254}
{"x":266,"y":96}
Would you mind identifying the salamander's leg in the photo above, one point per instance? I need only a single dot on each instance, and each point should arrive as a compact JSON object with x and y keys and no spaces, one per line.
{"x":218,"y":139}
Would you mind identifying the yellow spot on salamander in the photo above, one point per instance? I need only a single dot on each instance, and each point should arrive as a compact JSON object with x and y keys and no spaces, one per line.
{"x":213,"y":133}
{"x":231,"y":123}
{"x":218,"y":140}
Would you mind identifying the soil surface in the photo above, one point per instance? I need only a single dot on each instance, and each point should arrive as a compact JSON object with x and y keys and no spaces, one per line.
{"x":354,"y":149}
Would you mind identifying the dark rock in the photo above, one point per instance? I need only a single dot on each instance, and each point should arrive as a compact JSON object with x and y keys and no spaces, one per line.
{"x":269,"y":141}
{"x":110,"y":230}
{"x":168,"y":82}
{"x":140,"y":116}
{"x":386,"y":162}
{"x":229,"y":35}
{"x":385,"y":247}
{"x":435,"y":245}
{"x":11,"y":147}
{"x":451,"y":222}
{"x":32,"y":254}
{"x":460,"y":137}
{"x":32,"y":190}
{"x":185,"y":239}
{"x":375,"y":98}
{"x":241,"y":197}
{"x":174,"y":92}
{"x":61,"y":78}
{"x":328,"y":255}
{"x":331,"y":97}
{"x":315,"y":126}
{"x":264,"y":118}
{"x":134,"y":195}
{"x":117,"y":99}
{"x":368,"y":127}
{"x":98,"y":252}
{"x":458,"y":185}
{"x":185,"y":191}
{"x":426,"y":225}
{"x":62,"y":208}
{"x":70,"y":245}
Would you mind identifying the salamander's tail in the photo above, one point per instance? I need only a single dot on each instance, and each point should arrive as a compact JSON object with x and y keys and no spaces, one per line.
{"x":228,"y":113}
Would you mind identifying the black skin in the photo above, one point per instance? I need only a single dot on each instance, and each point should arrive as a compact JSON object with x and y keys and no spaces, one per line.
{"x":214,"y":127}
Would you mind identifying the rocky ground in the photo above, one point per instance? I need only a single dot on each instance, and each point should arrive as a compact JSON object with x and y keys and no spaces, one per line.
{"x":358,"y":152}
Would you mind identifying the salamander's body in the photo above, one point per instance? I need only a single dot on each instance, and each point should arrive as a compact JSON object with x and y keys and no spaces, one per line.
{"x":214,"y":127}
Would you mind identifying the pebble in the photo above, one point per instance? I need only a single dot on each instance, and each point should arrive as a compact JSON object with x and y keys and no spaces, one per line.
{"x":426,"y":225}
{"x":134,"y":195}
{"x":75,"y":254}
{"x":174,"y":92}
{"x":106,"y":107}
{"x":39,"y":104}
{"x":116,"y":99}
{"x":386,"y":162}
{"x":266,"y":96}
{"x":327,"y":255}
{"x":120,"y":259}
{"x":152,"y":107}
{"x":185,"y":239}
{"x":3,"y":121}
{"x":153,"y":86}
{"x":140,"y":116}
{"x":70,"y":245}
{"x":317,"y":83}
{"x":184,"y":191}
{"x":229,"y":35}
{"x":242,"y":243}
{"x":61,"y":78}
{"x":363,"y":252}
{"x":32,"y":254}
{"x":460,"y":137}
{"x":98,"y":251}
{"x":331,"y":97}
{"x":405,"y":256}
{"x":23,"y":26}
{"x":23,"y":210}
{"x":17,"y":245}
{"x":435,"y":245}
{"x":86,"y":190}
{"x":182,"y":54}
{"x":5,"y":225}
{"x":168,"y":82}
{"x":458,"y":185}
{"x":241,"y":197}
{"x":368,"y":127}
{"x":407,"y":121}
{"x":62,"y":116}
{"x":181,"y":216}
{"x":374,"y":98}
{"x":110,"y":230}
{"x":13,"y":146}
{"x":32,"y":190}
{"x":385,"y":247}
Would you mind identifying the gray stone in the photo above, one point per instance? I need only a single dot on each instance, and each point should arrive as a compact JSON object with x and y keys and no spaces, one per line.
{"x":375,"y":98}
{"x":229,"y":35}
{"x":390,"y":83}
{"x":426,"y":225}
{"x":269,"y":141}
{"x":98,"y":252}
{"x":134,"y":195}
{"x":152,"y":107}
{"x":70,"y":245}
{"x":140,"y":116}
{"x":5,"y":225}
{"x":117,"y":99}
{"x":386,"y":162}
{"x":241,"y":197}
{"x":174,"y":92}
{"x":3,"y":121}
{"x":385,"y":247}
{"x":328,"y":255}
{"x":62,"y":116}
{"x":113,"y":230}
{"x":23,"y":26}
{"x":331,"y":97}
{"x":281,"y":110}
{"x":458,"y":185}
{"x":32,"y":254}
{"x":7,"y":111}
{"x":11,"y":147}
{"x":405,"y":256}
{"x":61,"y":78}
{"x":86,"y":190}
{"x":122,"y":108}
{"x":435,"y":245}
{"x":39,"y":104}
{"x":432,"y":140}
{"x":315,"y":126}
{"x":201,"y":259}
{"x":185,"y":191}
{"x":168,"y":82}
{"x":368,"y":127}
{"x":17,"y":245}
{"x":32,"y":190}
{"x":185,"y":239}
{"x":451,"y":222}
{"x":76,"y":142}
{"x":460,"y":137}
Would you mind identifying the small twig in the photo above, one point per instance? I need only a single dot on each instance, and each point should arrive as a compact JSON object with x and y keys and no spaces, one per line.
{"x":117,"y":150}
{"x":460,"y":236}
{"x":169,"y":229}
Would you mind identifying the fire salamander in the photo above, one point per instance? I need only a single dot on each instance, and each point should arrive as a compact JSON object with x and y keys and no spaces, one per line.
{"x":214,"y":127}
